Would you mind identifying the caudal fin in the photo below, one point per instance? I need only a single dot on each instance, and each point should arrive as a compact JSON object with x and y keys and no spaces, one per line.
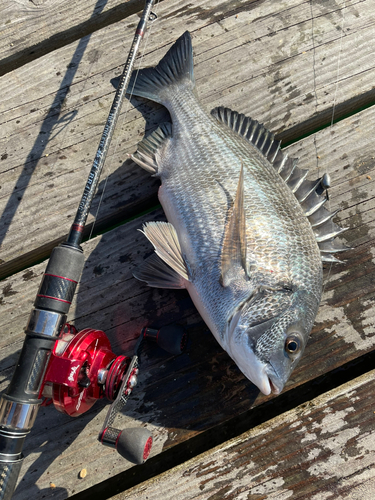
{"x":174,"y":70}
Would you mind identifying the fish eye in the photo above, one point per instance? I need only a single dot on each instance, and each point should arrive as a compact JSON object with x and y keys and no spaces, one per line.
{"x":292,"y":344}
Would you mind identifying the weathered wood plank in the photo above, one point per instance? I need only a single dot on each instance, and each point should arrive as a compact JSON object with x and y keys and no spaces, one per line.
{"x":181,"y":397}
{"x":109,"y":298}
{"x":265,"y":50}
{"x":324,"y":449}
{"x":26,"y":30}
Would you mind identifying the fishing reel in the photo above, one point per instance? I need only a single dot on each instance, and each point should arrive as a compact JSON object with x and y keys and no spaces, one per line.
{"x":73,"y":369}
{"x":82,"y":369}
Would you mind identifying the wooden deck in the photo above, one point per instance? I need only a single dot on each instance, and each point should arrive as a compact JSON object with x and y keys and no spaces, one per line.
{"x":287,"y":64}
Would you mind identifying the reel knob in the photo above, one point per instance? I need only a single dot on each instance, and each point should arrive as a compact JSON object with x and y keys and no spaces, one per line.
{"x":171,"y":338}
{"x":132,"y":444}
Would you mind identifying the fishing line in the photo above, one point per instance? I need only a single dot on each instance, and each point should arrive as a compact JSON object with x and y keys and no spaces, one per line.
{"x":338,"y":63}
{"x":314,"y":80}
{"x":333,"y":112}
{"x":125,"y":113}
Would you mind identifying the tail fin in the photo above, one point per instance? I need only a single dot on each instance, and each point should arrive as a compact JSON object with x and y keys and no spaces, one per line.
{"x":176,"y":68}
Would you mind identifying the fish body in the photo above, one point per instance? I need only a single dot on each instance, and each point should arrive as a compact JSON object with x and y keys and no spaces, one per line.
{"x":240,"y":234}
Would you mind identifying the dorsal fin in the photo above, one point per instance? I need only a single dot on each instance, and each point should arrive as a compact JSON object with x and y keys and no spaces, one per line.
{"x":233,"y":255}
{"x":312,"y":195}
{"x":249,"y":129}
{"x":149,"y":146}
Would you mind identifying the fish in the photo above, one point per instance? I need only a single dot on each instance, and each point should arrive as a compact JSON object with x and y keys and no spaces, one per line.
{"x":247,"y":231}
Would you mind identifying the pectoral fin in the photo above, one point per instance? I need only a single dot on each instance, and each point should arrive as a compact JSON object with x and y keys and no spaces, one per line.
{"x":233,"y":255}
{"x":158,"y":274}
{"x":164,"y":238}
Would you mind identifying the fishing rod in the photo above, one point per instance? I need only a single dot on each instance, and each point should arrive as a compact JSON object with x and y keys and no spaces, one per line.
{"x":72,"y":368}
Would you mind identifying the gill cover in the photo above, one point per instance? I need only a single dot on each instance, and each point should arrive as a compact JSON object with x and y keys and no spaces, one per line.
{"x":267,"y":336}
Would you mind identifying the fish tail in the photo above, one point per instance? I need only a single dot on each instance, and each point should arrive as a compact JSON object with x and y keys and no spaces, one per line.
{"x":174,"y":70}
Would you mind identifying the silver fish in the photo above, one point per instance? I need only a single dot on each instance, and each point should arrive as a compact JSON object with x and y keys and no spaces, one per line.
{"x":246,"y":232}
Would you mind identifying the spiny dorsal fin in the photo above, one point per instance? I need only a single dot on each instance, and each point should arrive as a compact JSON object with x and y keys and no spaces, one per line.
{"x":250,"y":130}
{"x":158,"y":274}
{"x":164,"y":238}
{"x":312,"y":195}
{"x":233,"y":254}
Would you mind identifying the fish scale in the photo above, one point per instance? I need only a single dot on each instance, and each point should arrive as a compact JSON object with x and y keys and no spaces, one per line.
{"x":267,"y":253}
{"x":245,"y":229}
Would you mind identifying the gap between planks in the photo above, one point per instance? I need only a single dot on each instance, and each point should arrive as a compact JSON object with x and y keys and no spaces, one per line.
{"x":168,"y":471}
{"x":28,"y":33}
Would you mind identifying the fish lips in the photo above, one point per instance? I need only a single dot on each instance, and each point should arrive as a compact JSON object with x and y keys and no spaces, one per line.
{"x":256,"y":370}
{"x":241,"y":347}
{"x":269,"y":370}
{"x":263,"y":375}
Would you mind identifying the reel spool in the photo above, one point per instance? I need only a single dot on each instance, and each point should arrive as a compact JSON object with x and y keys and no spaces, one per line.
{"x":83,"y":369}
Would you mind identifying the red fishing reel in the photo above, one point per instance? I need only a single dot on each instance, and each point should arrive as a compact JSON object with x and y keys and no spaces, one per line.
{"x":83,"y":369}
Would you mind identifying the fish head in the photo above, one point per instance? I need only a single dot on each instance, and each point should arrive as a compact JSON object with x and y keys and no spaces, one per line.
{"x":267,"y":335}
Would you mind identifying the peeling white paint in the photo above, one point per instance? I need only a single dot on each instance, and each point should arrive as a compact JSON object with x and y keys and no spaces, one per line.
{"x":332,"y":276}
{"x":335,"y":421}
{"x":268,"y":487}
{"x":372,"y":250}
{"x":327,"y":295}
{"x":266,"y":471}
{"x":343,"y":327}
{"x":309,"y":436}
{"x":351,"y":395}
{"x":315,"y":452}
{"x":296,"y":424}
{"x":366,"y":442}
{"x":337,"y":442}
{"x":323,"y":495}
{"x":280,"y":495}
{"x":362,"y":486}
{"x":336,"y":464}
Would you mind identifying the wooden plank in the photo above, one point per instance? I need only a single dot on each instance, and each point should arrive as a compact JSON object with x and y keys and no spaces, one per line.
{"x":181,"y":397}
{"x":28,"y":33}
{"x":324,"y":449}
{"x":51,"y":131}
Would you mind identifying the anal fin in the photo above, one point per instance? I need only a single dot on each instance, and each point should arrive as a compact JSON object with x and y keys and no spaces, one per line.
{"x":148,"y":148}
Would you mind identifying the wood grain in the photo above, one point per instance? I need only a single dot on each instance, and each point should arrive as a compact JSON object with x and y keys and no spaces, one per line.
{"x":324,"y":449}
{"x":179,"y":398}
{"x":257,"y":57}
{"x":26,"y":30}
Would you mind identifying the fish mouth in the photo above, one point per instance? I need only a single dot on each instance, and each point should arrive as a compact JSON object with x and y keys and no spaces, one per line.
{"x":255,"y":369}
{"x":273,"y":388}
{"x":267,"y":386}
{"x":275,"y":382}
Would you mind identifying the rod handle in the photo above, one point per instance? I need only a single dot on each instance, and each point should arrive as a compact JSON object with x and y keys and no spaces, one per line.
{"x":9,"y":472}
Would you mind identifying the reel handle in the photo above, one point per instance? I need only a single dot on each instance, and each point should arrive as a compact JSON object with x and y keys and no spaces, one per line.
{"x":171,"y":338}
{"x":132,"y":444}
